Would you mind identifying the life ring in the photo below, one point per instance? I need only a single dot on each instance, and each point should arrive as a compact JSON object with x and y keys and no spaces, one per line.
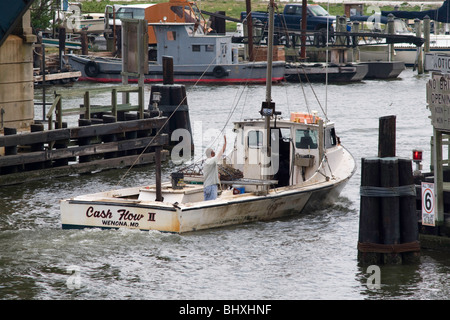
{"x":219,"y":72}
{"x":91,"y":69}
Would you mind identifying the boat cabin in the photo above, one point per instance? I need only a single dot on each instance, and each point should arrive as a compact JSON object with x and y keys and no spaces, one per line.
{"x":188,"y":44}
{"x":297,"y":148}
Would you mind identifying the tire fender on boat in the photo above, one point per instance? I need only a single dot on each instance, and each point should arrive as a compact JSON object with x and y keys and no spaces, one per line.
{"x":92,"y":69}
{"x":219,"y":72}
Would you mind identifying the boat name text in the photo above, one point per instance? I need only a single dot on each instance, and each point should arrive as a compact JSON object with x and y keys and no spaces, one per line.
{"x":124,"y":215}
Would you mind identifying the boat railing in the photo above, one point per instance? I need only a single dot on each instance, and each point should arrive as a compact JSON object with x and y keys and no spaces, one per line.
{"x":87,"y":109}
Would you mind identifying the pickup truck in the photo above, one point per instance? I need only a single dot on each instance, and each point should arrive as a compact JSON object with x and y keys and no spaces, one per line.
{"x":318,"y":18}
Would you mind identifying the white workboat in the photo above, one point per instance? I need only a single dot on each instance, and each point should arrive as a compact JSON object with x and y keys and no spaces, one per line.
{"x":301,"y":165}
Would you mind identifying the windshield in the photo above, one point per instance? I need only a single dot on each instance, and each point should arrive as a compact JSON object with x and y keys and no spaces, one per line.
{"x":305,"y":139}
{"x":130,"y":13}
{"x":318,"y":11}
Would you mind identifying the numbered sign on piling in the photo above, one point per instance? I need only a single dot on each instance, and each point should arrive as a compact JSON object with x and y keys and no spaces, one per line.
{"x":438,"y":99}
{"x":428,"y":204}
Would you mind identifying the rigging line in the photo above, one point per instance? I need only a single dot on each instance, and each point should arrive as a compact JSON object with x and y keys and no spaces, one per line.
{"x":238,"y":97}
{"x":287,"y":99}
{"x":245,"y":86}
{"x":233,"y":109}
{"x":312,"y":89}
{"x":165,"y":123}
{"x":315,"y":95}
{"x":303,"y":89}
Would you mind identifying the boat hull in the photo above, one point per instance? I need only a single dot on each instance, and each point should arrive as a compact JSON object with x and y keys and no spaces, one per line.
{"x":320,"y":73}
{"x":406,"y":54}
{"x":108,"y":70}
{"x":88,"y":213}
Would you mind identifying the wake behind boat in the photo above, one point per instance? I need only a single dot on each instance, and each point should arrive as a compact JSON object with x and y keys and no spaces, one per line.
{"x":197,"y":58}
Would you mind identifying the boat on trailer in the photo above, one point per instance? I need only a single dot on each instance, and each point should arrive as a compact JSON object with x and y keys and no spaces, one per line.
{"x":285,"y":167}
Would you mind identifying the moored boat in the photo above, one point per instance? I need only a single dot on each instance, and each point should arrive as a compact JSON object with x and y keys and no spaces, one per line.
{"x":203,"y":58}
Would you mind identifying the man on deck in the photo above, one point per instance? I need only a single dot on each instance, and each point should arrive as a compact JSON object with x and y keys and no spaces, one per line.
{"x":211,"y":172}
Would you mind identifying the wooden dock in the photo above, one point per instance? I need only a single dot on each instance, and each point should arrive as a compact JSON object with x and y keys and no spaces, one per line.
{"x":108,"y":136}
{"x":57,"y":78}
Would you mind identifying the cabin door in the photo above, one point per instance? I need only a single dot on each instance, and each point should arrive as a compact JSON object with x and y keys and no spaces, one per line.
{"x":257,"y":165}
{"x":254,"y":143}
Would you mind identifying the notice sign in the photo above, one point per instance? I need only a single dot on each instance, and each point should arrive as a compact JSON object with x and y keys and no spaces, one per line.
{"x":437,"y":62}
{"x":438,"y":99}
{"x":428,"y":204}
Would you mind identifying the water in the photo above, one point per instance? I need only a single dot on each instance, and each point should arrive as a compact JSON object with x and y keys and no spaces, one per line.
{"x":313,"y":256}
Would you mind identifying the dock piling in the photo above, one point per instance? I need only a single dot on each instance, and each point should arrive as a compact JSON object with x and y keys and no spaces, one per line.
{"x":386,"y":136}
{"x":388,"y":229}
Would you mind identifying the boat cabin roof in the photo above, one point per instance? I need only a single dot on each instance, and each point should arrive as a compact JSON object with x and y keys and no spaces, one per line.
{"x":280,"y":123}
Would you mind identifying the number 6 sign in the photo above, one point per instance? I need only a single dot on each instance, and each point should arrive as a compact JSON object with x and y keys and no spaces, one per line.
{"x":428,"y":204}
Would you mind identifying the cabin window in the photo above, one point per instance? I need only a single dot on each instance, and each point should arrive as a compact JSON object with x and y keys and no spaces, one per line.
{"x":209,"y":48}
{"x":255,"y":139}
{"x":305,"y":139}
{"x":178,"y":11}
{"x":171,"y":35}
{"x":130,"y":13}
{"x":330,"y":138}
{"x":290,"y":10}
{"x":189,"y":14}
{"x":224,"y":48}
{"x":196,"y":48}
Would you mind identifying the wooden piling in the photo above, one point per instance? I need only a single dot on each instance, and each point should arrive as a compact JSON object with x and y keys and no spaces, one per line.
{"x":62,"y":45}
{"x":390,"y":208}
{"x":34,"y":147}
{"x":131,"y":134}
{"x":62,"y":144}
{"x":391,"y":30}
{"x":388,"y":229}
{"x":84,"y":43}
{"x":409,"y":230}
{"x":386,"y":136}
{"x":109,"y":137}
{"x":84,"y":141}
{"x":10,"y":150}
{"x":369,"y":222}
{"x":418,"y":27}
{"x":167,"y":70}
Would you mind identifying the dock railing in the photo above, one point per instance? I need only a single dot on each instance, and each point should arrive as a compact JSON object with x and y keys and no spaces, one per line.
{"x":87,"y":109}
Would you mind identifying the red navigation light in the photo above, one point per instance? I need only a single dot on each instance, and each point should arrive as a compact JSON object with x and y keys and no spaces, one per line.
{"x":417,"y":155}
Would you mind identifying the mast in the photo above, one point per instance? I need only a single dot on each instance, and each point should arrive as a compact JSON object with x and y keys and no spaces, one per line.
{"x":270,"y":52}
{"x":268,"y":108}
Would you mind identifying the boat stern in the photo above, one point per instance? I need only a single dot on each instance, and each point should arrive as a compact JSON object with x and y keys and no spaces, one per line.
{"x":80,"y":214}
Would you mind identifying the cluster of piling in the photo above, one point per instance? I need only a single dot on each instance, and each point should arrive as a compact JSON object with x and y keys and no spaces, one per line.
{"x":388,"y":227}
{"x":107,"y":137}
